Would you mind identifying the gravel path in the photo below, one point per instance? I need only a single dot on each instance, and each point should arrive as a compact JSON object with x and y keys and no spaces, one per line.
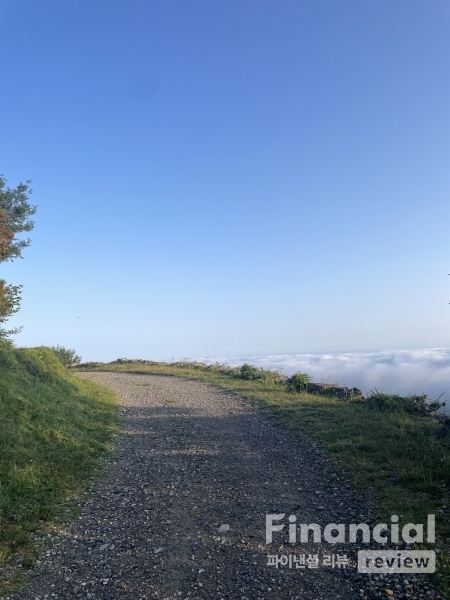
{"x":193,"y":458}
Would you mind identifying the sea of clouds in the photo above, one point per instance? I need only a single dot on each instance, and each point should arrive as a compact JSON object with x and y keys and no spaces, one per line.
{"x":393,"y":371}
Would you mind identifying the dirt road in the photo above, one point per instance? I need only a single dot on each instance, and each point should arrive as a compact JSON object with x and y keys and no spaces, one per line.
{"x":180,"y":510}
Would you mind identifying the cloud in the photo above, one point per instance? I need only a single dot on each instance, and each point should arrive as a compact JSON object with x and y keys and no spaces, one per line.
{"x":394,"y":371}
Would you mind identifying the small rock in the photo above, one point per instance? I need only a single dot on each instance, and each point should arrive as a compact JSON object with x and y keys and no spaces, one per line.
{"x":224,"y":528}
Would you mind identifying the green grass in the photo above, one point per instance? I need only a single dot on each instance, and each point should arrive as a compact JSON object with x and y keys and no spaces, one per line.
{"x":53,"y":429}
{"x":396,"y":454}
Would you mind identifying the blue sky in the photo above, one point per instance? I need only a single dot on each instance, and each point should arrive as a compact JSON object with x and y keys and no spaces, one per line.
{"x":230,"y":177}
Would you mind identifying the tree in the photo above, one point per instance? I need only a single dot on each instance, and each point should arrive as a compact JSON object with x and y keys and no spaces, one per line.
{"x":66,"y":356}
{"x":15,"y":213}
{"x":6,"y":236}
{"x":9,"y":304}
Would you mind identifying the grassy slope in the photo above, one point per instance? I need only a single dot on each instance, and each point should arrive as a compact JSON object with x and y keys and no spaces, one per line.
{"x":396,"y":454}
{"x":53,"y":428}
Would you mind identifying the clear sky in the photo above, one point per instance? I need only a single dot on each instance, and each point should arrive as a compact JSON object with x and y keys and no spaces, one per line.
{"x":230,"y":177}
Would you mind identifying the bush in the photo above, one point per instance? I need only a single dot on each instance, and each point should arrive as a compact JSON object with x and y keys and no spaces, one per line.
{"x":271,"y":377}
{"x":298,"y":382}
{"x":249,"y":372}
{"x":66,"y":356}
{"x":415,"y":403}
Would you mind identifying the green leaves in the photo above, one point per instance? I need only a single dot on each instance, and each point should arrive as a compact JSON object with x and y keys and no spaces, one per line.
{"x":414,"y":403}
{"x":66,"y":356}
{"x":14,"y":204}
{"x":249,"y":372}
{"x":298,"y":382}
{"x":15,"y":211}
{"x":9,"y":304}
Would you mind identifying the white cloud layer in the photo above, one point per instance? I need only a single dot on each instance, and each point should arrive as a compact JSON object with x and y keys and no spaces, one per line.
{"x":393,"y":371}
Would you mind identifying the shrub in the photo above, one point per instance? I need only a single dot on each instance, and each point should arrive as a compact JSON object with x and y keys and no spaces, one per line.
{"x":249,"y":372}
{"x":298,"y":382}
{"x":271,"y":377}
{"x":424,"y":406}
{"x":66,"y":356}
{"x":415,"y":403}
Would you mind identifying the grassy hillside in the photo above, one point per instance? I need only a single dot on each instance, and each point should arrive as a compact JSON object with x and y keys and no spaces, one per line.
{"x":53,"y":427}
{"x":404,"y":458}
